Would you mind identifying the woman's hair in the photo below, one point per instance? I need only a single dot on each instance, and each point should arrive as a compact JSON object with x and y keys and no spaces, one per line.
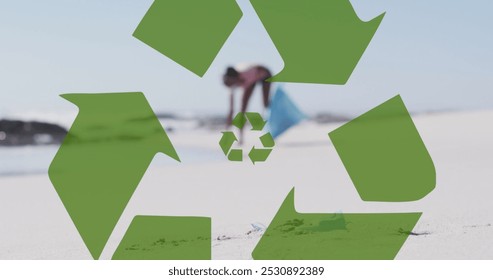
{"x":231,"y":73}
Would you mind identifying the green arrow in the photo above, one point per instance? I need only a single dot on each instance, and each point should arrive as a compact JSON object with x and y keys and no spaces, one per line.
{"x":335,"y":36}
{"x":227,"y":141}
{"x":256,"y":121}
{"x":385,"y":155}
{"x":259,"y":155}
{"x":239,"y":120}
{"x":295,"y":236}
{"x":267,"y":140}
{"x":235,"y":155}
{"x":166,"y":238}
{"x":189,"y":32}
{"x":103,"y":158}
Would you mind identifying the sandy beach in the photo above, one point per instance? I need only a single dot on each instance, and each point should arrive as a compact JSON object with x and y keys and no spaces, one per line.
{"x":457,"y":220}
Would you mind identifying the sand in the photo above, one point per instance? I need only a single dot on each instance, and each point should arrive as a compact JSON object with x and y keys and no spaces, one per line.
{"x":457,"y":221}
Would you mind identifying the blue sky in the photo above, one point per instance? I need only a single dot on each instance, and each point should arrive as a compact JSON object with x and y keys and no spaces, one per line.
{"x":436,"y":54}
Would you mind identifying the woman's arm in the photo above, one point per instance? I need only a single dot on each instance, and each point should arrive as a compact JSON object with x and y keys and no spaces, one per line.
{"x":229,"y":120}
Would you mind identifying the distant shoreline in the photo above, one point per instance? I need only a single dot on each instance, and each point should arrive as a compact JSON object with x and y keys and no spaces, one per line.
{"x":16,"y":132}
{"x":22,"y":133}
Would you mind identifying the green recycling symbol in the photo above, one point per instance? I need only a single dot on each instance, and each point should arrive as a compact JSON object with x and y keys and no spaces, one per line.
{"x":115,"y":137}
{"x":255,"y":154}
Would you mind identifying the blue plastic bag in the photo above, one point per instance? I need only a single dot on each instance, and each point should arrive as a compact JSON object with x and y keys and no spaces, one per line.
{"x":283,"y":113}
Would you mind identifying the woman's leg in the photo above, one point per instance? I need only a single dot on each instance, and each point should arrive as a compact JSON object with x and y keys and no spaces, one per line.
{"x":266,"y":86}
{"x":266,"y":93}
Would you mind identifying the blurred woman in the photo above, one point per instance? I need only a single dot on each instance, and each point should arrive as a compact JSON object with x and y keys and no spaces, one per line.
{"x":246,"y":79}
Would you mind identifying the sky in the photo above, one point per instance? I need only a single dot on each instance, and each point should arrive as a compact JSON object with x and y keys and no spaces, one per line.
{"x":436,"y":54}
